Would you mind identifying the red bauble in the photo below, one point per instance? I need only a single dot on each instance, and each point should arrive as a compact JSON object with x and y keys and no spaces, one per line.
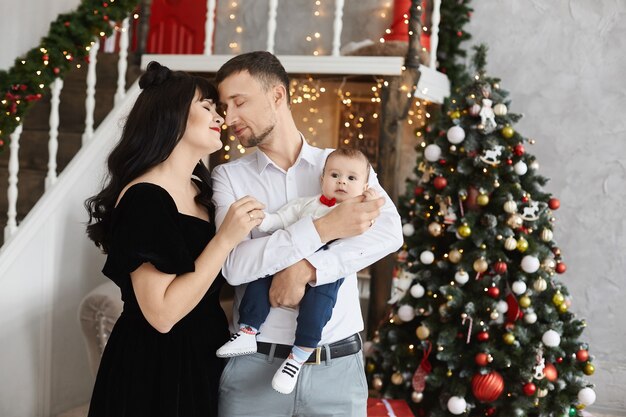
{"x":493,"y":292}
{"x":509,"y":162}
{"x":519,"y":150}
{"x":500,"y":267}
{"x":440,"y":183}
{"x":56,"y":70}
{"x":560,"y":267}
{"x":530,"y":389}
{"x":482,"y":336}
{"x":582,"y":355}
{"x":490,"y":411}
{"x":482,"y":359}
{"x":559,"y":360}
{"x":66,"y":24}
{"x":550,"y":372}
{"x":442,"y":162}
{"x":487,"y":388}
{"x":525,"y":199}
{"x":554,"y":203}
{"x":418,"y":190}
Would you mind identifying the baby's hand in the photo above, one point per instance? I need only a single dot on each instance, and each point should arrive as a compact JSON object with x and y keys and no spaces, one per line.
{"x":370,"y":194}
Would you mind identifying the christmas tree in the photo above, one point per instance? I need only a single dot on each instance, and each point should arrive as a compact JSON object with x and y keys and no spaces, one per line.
{"x":479,"y":321}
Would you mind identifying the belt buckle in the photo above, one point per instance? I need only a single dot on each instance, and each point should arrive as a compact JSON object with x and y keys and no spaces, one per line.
{"x":318,"y":357}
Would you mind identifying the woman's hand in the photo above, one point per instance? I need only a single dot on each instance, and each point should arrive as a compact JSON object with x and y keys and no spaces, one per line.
{"x":242,"y":216}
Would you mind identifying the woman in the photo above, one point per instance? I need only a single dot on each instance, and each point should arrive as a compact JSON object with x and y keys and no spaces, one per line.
{"x":154,"y":220}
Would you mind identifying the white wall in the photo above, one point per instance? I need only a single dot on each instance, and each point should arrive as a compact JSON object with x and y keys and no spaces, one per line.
{"x":563,"y":63}
{"x":22,"y":28}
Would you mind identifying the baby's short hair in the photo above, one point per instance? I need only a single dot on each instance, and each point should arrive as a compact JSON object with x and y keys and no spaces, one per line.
{"x":351,"y":153}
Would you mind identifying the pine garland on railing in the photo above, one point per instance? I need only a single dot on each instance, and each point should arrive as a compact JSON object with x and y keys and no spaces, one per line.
{"x":68,"y":41}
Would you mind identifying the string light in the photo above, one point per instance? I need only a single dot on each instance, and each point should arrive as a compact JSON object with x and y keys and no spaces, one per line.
{"x":235,"y":44}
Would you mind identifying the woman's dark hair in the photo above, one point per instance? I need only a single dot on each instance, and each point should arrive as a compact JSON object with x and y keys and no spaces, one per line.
{"x":153,"y":127}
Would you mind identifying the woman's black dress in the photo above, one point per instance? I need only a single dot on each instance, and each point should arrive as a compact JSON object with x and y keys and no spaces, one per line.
{"x":144,"y":372}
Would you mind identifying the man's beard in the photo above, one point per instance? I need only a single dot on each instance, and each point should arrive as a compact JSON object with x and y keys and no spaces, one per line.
{"x":255,"y":140}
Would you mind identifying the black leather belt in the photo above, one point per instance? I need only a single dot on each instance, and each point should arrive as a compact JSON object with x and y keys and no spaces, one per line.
{"x":348,"y":346}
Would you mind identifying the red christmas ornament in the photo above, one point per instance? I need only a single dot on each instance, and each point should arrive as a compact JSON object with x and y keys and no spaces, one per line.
{"x":45,"y":57}
{"x":482,"y":336}
{"x":500,"y":267}
{"x":487,"y":388}
{"x":440,"y":183}
{"x":459,"y":34}
{"x":530,"y":389}
{"x":554,"y":203}
{"x":105,"y":18}
{"x":1,"y":142}
{"x":490,"y":411}
{"x":481,"y":359}
{"x":560,"y":267}
{"x":66,"y":24}
{"x":519,"y":150}
{"x":418,"y":382}
{"x":418,"y":190}
{"x":514,"y":312}
{"x":550,"y":372}
{"x":442,"y":162}
{"x":582,"y":355}
{"x":509,"y":162}
{"x":56,"y":70}
{"x":559,"y":360}
{"x":493,"y":292}
{"x":524,"y":199}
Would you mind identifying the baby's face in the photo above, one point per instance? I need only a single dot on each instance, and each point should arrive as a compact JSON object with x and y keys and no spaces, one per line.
{"x":344,"y":178}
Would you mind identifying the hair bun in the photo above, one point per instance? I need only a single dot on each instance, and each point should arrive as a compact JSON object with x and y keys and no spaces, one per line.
{"x":155,"y":74}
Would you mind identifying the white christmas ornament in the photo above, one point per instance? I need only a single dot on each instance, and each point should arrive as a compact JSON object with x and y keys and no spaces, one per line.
{"x":456,"y":134}
{"x":457,"y":405}
{"x":546,"y":235}
{"x":510,"y":207}
{"x":530,"y":264}
{"x":540,"y":285}
{"x":427,"y":257}
{"x":534,"y":165}
{"x":417,"y":291}
{"x":519,"y":287}
{"x":586,"y":396}
{"x":500,"y":109}
{"x":551,"y":338}
{"x":432,"y":152}
{"x":530,"y":317}
{"x":406,"y":312}
{"x":502,"y":307}
{"x":408,"y":229}
{"x":510,"y":243}
{"x":490,"y":156}
{"x":520,"y":168}
{"x":487,"y":116}
{"x":400,"y":285}
{"x":461,"y":277}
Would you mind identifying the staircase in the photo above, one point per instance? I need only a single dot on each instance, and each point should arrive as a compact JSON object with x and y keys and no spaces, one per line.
{"x":33,"y":152}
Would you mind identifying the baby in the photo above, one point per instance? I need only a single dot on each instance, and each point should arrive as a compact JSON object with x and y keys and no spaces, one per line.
{"x":345,"y":175}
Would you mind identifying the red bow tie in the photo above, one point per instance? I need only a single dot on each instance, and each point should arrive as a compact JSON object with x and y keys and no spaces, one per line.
{"x":327,"y":201}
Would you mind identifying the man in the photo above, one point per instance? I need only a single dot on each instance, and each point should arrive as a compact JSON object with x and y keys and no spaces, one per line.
{"x":254,"y":89}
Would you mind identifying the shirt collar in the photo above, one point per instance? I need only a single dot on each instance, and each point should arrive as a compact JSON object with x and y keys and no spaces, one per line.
{"x":306,"y":154}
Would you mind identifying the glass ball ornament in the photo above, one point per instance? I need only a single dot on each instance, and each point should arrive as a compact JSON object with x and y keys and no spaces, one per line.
{"x":510,"y":243}
{"x":546,"y":235}
{"x":417,"y":291}
{"x":507,"y":132}
{"x":582,"y":355}
{"x":455,"y":135}
{"x":408,"y":229}
{"x":524,"y":301}
{"x":589,"y":369}
{"x":522,"y":244}
{"x":377,"y":383}
{"x":557,"y":298}
{"x":474,"y":110}
{"x":397,"y":378}
{"x":432,"y":152}
{"x":540,"y":285}
{"x":461,"y":277}
{"x":519,"y":287}
{"x":548,"y":264}
{"x":520,"y":168}
{"x":494,"y":315}
{"x":482,"y":199}
{"x":551,"y":338}
{"x":572,"y":412}
{"x":455,"y":256}
{"x":480,"y":265}
{"x":530,"y":264}
{"x":435,"y":229}
{"x":456,"y":405}
{"x":502,"y":307}
{"x":417,"y":397}
{"x":562,"y":308}
{"x":455,"y":114}
{"x":500,"y":109}
{"x":510,"y":207}
{"x":586,"y":396}
{"x":508,"y":338}
{"x":464,"y":231}
{"x":534,"y":165}
{"x":422,"y":332}
{"x":427,"y":257}
{"x":406,"y":312}
{"x":515,"y":221}
{"x":541,"y":393}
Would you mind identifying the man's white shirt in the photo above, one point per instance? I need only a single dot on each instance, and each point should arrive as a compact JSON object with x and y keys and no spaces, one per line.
{"x":262,"y":254}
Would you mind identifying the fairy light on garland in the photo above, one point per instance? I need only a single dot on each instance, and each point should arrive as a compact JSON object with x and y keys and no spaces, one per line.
{"x":235,"y":44}
{"x":315,"y":38}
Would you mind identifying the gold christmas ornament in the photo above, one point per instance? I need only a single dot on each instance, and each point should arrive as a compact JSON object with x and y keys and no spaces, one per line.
{"x":510,"y":243}
{"x":455,"y":114}
{"x":540,"y":285}
{"x":377,"y":383}
{"x":449,"y":373}
{"x":397,"y":378}
{"x":455,"y":256}
{"x":558,"y":299}
{"x":464,"y":230}
{"x":480,"y":265}
{"x":417,"y":397}
{"x":589,"y":369}
{"x":562,"y":308}
{"x":370,"y":367}
{"x":522,"y":244}
{"x":508,"y":132}
{"x":482,"y":199}
{"x":548,"y":264}
{"x":435,"y":229}
{"x":509,"y":338}
{"x":524,"y":301}
{"x":422,"y":332}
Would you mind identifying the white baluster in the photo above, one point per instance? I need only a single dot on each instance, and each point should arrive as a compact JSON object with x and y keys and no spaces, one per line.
{"x":338,"y":26}
{"x":209,"y":27}
{"x":53,"y":143}
{"x":271,"y":26}
{"x":434,"y":33}
{"x":122,"y":63}
{"x":90,"y":101}
{"x":14,"y":167}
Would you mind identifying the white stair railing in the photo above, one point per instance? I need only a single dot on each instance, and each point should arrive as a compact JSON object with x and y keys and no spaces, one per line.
{"x":337,"y":27}
{"x":271,"y":26}
{"x":209,"y":27}
{"x":122,"y":64}
{"x":53,"y":143}
{"x":90,"y":101}
{"x":434,"y":33}
{"x":14,"y":167}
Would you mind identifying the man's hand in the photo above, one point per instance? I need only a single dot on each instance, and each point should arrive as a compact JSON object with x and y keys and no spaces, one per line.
{"x":289,"y":284}
{"x":351,"y":218}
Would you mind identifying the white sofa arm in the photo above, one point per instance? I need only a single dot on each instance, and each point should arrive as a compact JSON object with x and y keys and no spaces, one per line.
{"x":98,"y":312}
